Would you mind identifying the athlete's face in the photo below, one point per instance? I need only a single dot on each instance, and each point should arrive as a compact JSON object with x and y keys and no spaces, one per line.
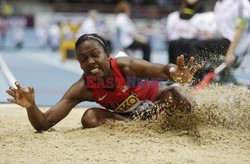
{"x":93,"y":60}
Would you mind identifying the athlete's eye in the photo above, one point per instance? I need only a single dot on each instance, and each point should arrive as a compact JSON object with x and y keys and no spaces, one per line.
{"x":82,"y":59}
{"x":96,"y":55}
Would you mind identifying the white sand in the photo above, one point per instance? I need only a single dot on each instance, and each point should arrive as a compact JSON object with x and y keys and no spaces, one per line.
{"x":214,"y":133}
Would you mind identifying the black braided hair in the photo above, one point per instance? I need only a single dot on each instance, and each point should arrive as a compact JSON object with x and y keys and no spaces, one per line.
{"x":94,"y":37}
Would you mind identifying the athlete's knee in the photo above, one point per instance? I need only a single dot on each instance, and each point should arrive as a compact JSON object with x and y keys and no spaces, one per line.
{"x":175,"y":99}
{"x":167,"y":94}
{"x":89,"y":119}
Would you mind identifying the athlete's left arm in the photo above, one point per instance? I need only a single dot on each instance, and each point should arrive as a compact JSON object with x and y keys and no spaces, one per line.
{"x":142,"y":69}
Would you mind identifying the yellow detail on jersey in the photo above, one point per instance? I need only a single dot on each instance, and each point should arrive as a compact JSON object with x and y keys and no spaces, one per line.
{"x":127,"y":104}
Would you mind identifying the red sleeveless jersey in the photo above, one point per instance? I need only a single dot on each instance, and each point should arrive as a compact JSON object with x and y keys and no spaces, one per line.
{"x":112,"y":99}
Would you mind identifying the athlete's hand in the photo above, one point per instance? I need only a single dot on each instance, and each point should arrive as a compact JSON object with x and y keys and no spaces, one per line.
{"x":21,"y":96}
{"x":184,"y":73}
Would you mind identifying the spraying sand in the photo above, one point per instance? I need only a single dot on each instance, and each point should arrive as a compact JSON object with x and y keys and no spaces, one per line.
{"x":217,"y":131}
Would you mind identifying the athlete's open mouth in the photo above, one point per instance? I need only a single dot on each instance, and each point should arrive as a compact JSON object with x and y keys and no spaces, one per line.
{"x":94,"y":70}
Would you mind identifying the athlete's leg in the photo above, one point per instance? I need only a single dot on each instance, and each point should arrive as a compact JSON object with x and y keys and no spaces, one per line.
{"x":94,"y":117}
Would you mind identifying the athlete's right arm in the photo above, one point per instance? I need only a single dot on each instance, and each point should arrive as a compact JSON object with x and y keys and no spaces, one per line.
{"x":43,"y":121}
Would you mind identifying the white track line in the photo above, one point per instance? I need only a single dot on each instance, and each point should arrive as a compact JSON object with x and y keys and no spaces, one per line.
{"x":57,"y":64}
{"x":9,"y":76}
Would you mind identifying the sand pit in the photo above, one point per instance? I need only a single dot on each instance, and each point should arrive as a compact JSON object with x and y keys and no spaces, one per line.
{"x":218,"y":131}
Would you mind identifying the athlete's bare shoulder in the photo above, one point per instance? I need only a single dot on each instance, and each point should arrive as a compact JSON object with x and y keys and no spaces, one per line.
{"x":124,"y":64}
{"x":133,"y":66}
{"x":123,"y":61}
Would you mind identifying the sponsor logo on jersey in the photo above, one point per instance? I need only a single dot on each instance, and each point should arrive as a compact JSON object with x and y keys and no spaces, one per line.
{"x":127,"y":104}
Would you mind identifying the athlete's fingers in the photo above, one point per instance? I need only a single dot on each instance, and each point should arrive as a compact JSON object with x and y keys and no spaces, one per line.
{"x":18,"y":85}
{"x":13,"y":89}
{"x":180,"y":62}
{"x":195,"y":69}
{"x":177,"y":61}
{"x":10,"y":93}
{"x":190,"y":63}
{"x":11,"y":100}
{"x":31,"y":89}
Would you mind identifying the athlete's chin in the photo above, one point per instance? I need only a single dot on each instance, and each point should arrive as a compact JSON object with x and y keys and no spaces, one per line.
{"x":98,"y":75}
